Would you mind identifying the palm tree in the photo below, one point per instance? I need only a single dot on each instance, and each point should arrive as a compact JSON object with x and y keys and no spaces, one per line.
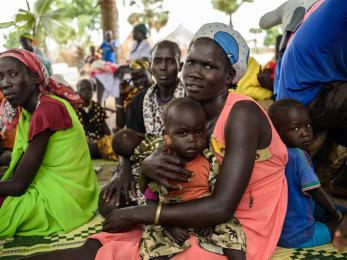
{"x":229,"y":6}
{"x":45,"y":20}
{"x":109,"y":16}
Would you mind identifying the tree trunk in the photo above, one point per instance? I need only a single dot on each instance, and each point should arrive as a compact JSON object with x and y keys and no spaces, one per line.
{"x":109,"y":18}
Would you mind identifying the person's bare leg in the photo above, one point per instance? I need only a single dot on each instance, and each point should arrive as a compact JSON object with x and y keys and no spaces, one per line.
{"x":99,"y":92}
{"x":233,"y":254}
{"x":340,"y":235}
{"x":86,"y":252}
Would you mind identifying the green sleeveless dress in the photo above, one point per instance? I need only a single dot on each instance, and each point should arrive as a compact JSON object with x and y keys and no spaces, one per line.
{"x":64,"y":193}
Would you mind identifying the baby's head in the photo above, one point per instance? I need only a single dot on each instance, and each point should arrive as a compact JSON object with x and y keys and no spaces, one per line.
{"x":185,"y":127}
{"x":293,"y":123}
{"x":85,"y":89}
{"x":125,"y":141}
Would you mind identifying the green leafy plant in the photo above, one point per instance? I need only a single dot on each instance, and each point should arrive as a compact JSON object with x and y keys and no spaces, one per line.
{"x":153,"y":14}
{"x":270,"y":37}
{"x":229,"y":6}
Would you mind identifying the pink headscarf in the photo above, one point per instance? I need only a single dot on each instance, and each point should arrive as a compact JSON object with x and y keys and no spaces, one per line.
{"x":8,"y":114}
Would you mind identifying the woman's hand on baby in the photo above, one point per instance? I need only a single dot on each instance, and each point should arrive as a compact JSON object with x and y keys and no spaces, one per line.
{"x":117,"y":221}
{"x":204,"y":232}
{"x":178,"y":234}
{"x":162,"y":167}
{"x":122,"y":182}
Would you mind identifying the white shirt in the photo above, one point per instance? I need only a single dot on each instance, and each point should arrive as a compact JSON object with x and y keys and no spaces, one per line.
{"x":144,"y":50}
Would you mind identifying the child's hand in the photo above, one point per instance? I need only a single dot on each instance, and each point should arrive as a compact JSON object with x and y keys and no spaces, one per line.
{"x":204,"y":232}
{"x":179,"y":234}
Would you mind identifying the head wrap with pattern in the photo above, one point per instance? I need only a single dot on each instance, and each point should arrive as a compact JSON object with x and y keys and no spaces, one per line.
{"x":139,"y":64}
{"x":47,"y":85}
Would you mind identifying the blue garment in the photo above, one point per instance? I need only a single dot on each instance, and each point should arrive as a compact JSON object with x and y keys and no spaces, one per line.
{"x":108,"y":53}
{"x":321,"y":236}
{"x":317,"y":53}
{"x":299,"y":221}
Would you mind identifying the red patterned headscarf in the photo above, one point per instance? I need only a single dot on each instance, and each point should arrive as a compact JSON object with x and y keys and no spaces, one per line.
{"x":8,"y":114}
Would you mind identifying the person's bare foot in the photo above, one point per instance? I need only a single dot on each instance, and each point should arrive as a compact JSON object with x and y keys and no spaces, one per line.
{"x":340,"y":236}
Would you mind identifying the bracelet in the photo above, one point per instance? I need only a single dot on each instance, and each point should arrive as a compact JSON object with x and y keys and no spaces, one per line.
{"x":157,"y":214}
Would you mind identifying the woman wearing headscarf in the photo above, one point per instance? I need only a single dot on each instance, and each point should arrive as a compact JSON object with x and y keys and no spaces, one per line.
{"x":140,"y":48}
{"x":50,"y":185}
{"x":251,"y":184}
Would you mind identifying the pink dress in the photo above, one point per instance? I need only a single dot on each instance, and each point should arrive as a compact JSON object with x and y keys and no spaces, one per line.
{"x":261,"y":210}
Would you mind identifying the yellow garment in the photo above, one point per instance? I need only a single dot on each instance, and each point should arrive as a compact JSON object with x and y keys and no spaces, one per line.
{"x":249,"y":84}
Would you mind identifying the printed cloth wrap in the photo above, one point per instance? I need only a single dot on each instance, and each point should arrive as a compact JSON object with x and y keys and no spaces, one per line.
{"x":156,"y":240}
{"x":152,"y":111}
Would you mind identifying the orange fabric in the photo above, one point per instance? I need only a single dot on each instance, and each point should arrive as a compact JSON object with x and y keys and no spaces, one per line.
{"x":121,"y":246}
{"x":262,"y":208}
{"x":198,"y":186}
{"x":7,"y":138}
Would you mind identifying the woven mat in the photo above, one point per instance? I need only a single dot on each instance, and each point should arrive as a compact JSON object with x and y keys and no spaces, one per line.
{"x":314,"y":253}
{"x":13,"y":248}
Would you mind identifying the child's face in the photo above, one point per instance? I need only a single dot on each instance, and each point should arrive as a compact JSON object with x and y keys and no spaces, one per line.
{"x":295,"y":129}
{"x":188,"y":133}
{"x":85,"y":91}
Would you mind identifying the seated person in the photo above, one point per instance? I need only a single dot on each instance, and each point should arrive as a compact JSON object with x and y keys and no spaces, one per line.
{"x":314,"y":72}
{"x":50,"y":185}
{"x":250,"y":85}
{"x":185,"y":137}
{"x":302,"y":228}
{"x":93,"y":119}
{"x":140,"y":78}
{"x":93,"y":56}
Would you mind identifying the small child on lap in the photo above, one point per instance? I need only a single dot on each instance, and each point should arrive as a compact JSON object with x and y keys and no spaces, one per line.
{"x":185,"y":135}
{"x":301,"y":228}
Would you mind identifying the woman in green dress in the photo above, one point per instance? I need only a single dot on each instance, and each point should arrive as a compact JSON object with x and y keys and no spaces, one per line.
{"x":50,"y":185}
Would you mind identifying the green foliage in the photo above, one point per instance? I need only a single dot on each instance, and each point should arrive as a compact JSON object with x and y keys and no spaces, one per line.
{"x":255,"y":30}
{"x":12,"y":40}
{"x":152,"y":15}
{"x":54,"y":19}
{"x":270,"y":37}
{"x":86,"y":12}
{"x":229,"y":6}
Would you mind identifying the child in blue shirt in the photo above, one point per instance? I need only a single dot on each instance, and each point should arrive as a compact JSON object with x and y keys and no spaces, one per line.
{"x":301,"y":228}
{"x":108,"y":48}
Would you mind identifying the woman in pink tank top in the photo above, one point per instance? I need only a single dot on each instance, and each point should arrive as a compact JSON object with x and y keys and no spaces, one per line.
{"x":251,"y":184}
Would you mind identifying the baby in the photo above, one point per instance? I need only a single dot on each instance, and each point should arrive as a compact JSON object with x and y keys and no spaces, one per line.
{"x":302,"y":227}
{"x":185,"y":136}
